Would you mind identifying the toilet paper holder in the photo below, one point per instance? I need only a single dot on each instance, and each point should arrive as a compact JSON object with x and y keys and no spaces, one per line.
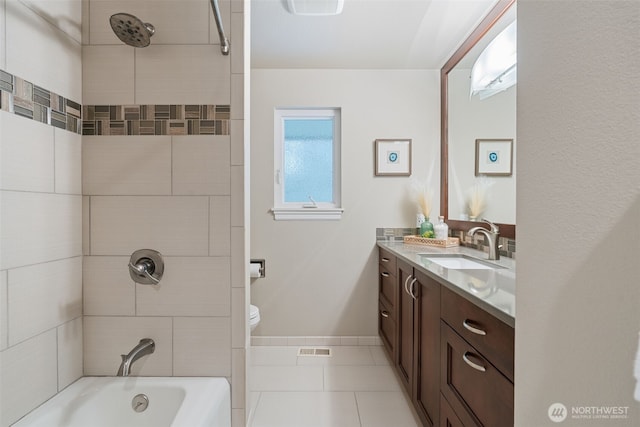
{"x":260,"y":264}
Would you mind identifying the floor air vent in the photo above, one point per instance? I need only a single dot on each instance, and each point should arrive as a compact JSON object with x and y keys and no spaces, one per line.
{"x":315,"y":352}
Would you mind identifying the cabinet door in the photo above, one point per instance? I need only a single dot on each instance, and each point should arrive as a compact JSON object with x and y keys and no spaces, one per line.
{"x":427,"y":349}
{"x":405,"y":326}
{"x":387,"y":329}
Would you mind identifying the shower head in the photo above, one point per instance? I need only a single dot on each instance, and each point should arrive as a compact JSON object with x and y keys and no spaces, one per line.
{"x":131,"y":30}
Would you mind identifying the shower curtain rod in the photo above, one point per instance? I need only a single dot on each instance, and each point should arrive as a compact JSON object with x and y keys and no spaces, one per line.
{"x":224,"y":41}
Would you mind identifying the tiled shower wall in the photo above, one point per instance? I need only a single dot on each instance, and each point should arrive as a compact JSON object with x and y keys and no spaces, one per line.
{"x":40,"y":204}
{"x":163,"y":169}
{"x":180,"y":191}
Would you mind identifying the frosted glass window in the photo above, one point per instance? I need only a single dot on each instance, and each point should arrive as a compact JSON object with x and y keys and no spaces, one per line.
{"x":308,"y":160}
{"x":307,"y":163}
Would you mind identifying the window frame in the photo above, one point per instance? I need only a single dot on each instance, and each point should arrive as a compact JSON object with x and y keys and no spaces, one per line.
{"x":308,"y":210}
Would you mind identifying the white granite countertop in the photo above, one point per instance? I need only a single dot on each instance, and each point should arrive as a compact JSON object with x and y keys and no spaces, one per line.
{"x":493,"y":290}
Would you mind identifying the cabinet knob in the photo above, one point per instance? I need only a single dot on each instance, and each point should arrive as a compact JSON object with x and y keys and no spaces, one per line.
{"x":473,"y":329}
{"x":384,"y":259}
{"x":413,"y":282}
{"x":384,"y":314}
{"x":384,"y":274}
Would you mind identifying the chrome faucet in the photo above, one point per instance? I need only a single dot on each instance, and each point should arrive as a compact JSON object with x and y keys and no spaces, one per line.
{"x":144,"y":347}
{"x":492,"y":238}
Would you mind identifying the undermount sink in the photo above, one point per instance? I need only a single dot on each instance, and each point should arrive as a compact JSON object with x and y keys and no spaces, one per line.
{"x":459,"y":262}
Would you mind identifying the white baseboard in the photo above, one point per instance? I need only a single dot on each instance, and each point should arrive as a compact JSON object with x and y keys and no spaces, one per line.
{"x":300,"y":340}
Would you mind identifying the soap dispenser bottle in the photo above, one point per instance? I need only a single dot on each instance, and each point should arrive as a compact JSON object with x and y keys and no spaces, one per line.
{"x":441,"y":229}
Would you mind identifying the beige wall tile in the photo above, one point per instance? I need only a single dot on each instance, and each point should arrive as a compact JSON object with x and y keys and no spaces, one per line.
{"x":66,"y":15}
{"x":237,"y":96}
{"x":211,"y":336}
{"x":238,"y":261}
{"x":238,"y":378}
{"x":106,"y":338}
{"x":86,"y":225}
{"x":46,"y":44}
{"x":220,"y":226}
{"x":237,"y":6}
{"x":108,"y":289}
{"x":237,"y":196}
{"x":28,"y":376}
{"x":171,"y":225}
{"x":201,"y":165}
{"x":239,"y":317}
{"x":237,"y":35}
{"x":3,"y":45}
{"x":237,"y":142}
{"x":85,"y":22}
{"x":182,"y":75}
{"x":69,"y":352}
{"x":26,"y":154}
{"x":68,"y":162}
{"x":108,"y":74}
{"x":177,"y":22}
{"x":126,"y":165}
{"x":3,"y":310}
{"x":43,"y":296}
{"x":38,"y":228}
{"x":194,"y":286}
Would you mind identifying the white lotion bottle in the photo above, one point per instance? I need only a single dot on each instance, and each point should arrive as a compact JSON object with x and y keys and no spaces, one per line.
{"x":441,"y":229}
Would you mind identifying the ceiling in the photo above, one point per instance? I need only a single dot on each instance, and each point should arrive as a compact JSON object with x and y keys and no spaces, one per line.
{"x":368,"y":34}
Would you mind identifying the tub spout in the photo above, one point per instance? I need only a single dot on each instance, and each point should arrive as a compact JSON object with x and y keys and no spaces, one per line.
{"x":144,"y":347}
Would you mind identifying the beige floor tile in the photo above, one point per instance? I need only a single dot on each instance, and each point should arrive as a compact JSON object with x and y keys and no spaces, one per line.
{"x":360,"y":378}
{"x":384,"y":409}
{"x":286,"y":378}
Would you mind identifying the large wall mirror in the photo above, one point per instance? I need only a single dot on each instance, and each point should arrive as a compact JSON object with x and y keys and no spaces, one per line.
{"x":478,"y":127}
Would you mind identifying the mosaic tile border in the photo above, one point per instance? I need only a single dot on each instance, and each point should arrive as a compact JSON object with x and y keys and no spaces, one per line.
{"x":26,"y":99}
{"x":156,"y":119}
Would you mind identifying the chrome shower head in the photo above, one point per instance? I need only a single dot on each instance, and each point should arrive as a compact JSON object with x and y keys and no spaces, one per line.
{"x":131,"y":30}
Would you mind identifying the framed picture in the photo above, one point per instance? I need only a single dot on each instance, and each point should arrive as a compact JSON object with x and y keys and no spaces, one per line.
{"x":494,"y":157}
{"x":393,"y":157}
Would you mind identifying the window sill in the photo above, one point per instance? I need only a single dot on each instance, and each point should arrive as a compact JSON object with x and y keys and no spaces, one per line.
{"x":307,"y":214}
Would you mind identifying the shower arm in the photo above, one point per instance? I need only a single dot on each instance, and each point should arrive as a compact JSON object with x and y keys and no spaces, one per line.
{"x":224,"y":41}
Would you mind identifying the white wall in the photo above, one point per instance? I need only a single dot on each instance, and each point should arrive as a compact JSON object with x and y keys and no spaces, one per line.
{"x":322,"y":275}
{"x":578,"y":209}
{"x":40,"y":212}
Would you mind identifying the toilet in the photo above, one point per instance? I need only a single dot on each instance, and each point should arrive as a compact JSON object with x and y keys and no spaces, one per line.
{"x":254,"y":316}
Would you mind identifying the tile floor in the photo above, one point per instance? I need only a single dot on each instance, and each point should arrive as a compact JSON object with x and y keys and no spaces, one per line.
{"x":356,"y":387}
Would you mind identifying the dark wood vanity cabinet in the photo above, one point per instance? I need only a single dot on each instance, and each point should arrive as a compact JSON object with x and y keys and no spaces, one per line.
{"x":476,"y":363}
{"x":454,"y":359}
{"x":419,"y":340}
{"x":387,"y":302}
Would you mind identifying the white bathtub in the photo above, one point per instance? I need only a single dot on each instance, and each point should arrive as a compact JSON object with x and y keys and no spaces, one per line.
{"x":107,"y":402}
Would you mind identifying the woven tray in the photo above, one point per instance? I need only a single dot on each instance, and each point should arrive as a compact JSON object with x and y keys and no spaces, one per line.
{"x":417,"y":240}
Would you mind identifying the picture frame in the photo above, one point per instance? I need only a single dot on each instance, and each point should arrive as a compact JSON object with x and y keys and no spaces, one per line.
{"x":392,"y":157}
{"x":494,"y":157}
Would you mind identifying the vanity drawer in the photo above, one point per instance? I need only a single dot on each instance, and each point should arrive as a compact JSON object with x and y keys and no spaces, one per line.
{"x":388,"y":260}
{"x":490,"y":336}
{"x":478,"y":393}
{"x":387,"y":329}
{"x":388,"y":288}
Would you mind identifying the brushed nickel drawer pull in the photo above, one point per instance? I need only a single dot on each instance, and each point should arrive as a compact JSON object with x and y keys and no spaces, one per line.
{"x":473,"y":365}
{"x":475,"y":330}
{"x":384,"y":314}
{"x":413,"y":282}
{"x":406,"y":282}
{"x":385,"y":274}
{"x":384,"y":259}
